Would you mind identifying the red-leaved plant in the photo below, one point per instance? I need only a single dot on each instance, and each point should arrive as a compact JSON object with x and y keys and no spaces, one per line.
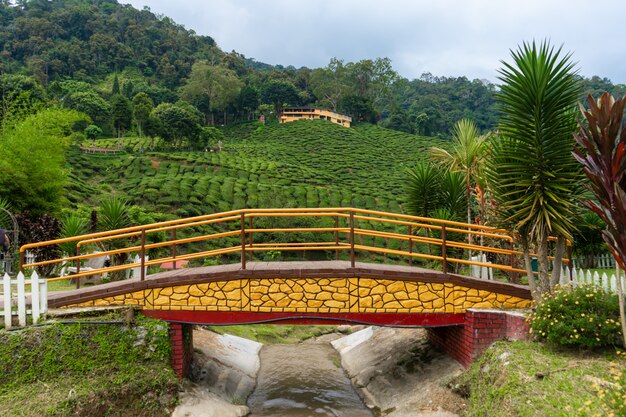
{"x":602,"y":153}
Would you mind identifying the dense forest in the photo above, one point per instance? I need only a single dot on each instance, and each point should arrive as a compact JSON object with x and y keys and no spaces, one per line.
{"x":131,"y":69}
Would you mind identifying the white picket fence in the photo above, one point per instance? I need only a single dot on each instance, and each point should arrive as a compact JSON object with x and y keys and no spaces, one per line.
{"x":17,"y":305}
{"x":605,"y":261}
{"x":580,"y":277}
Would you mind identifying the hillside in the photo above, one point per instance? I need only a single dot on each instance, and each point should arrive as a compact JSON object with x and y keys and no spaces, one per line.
{"x":299,"y":164}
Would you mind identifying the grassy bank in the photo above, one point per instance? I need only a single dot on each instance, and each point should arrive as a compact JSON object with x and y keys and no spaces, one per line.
{"x":274,"y":334}
{"x":530,"y":379}
{"x":87,"y":370}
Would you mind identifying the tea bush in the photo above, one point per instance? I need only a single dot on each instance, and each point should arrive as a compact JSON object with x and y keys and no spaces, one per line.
{"x":583,"y":316}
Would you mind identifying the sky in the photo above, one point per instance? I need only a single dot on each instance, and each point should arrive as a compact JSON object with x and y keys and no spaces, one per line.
{"x":444,"y":37}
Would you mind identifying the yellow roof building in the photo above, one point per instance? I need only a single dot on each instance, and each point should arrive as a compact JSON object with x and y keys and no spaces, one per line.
{"x":291,"y":114}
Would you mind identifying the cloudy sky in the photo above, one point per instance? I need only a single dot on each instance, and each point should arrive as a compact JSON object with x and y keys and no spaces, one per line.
{"x":443,"y":37}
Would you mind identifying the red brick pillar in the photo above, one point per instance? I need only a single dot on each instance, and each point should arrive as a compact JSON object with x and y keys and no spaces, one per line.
{"x":481,"y":328}
{"x":181,"y":340}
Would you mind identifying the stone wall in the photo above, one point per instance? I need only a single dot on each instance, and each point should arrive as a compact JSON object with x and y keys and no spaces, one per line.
{"x":317,"y":295}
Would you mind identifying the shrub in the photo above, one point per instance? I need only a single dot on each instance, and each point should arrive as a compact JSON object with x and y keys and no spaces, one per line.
{"x":584,"y":316}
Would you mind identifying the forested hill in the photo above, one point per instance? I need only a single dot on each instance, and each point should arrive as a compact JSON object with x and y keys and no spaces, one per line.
{"x":87,"y":40}
{"x":92,"y":55}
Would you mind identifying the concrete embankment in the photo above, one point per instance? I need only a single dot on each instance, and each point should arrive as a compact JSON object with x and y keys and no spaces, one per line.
{"x":224,"y":372}
{"x":398,"y":374}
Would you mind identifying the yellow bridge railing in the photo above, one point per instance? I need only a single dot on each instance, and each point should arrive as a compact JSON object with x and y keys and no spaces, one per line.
{"x":348,"y":227}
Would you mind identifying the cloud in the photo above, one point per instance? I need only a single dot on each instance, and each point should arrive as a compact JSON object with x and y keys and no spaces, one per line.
{"x":444,"y":37}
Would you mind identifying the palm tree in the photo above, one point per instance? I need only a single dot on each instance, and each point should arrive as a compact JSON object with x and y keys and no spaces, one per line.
{"x":114,"y":215}
{"x":465,"y":156}
{"x":532,"y":175}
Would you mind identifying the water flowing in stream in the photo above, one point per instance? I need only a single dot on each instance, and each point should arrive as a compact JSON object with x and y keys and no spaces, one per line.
{"x":304,"y":380}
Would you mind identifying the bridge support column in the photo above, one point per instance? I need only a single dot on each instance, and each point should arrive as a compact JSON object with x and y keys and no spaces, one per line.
{"x":480,"y":329}
{"x":181,"y":340}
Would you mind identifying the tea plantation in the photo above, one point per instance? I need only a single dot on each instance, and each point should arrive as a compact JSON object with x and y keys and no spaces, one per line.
{"x":309,"y":163}
{"x":299,"y":164}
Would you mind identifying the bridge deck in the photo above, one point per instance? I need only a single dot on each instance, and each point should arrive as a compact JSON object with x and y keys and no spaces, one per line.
{"x":277,"y":270}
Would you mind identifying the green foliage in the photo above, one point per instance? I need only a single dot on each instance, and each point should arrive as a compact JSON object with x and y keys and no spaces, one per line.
{"x":279,"y":93}
{"x":72,"y":225}
{"x":176,"y":122}
{"x":585,"y":316}
{"x":531,"y":379}
{"x":530,"y":171}
{"x":90,"y":103}
{"x":121,"y":113}
{"x":108,"y":369}
{"x":142,"y":107}
{"x":113,"y":213}
{"x":32,"y":160}
{"x":211,"y":88}
{"x":19,"y":97}
{"x":531,"y":164}
{"x":92,"y":132}
{"x":429,"y":190}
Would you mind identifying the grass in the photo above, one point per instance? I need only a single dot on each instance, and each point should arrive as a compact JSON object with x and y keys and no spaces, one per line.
{"x":87,"y":370}
{"x":274,"y":334}
{"x":529,"y":379}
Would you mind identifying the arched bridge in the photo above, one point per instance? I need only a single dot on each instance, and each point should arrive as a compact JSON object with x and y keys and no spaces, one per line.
{"x":389,"y":285}
{"x":298,"y":291}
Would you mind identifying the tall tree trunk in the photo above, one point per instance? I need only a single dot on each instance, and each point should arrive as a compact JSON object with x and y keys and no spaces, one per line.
{"x":469,"y":212}
{"x":139,"y":129}
{"x":620,"y":296}
{"x":532,"y":283}
{"x":542,"y":261}
{"x":557,"y":263}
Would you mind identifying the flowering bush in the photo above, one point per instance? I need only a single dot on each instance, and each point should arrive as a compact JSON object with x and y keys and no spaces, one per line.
{"x":585,"y":316}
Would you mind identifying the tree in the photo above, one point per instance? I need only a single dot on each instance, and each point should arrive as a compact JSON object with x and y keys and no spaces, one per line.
{"x":602,"y":154}
{"x":142,"y":106}
{"x":19,"y":97}
{"x":176,"y":122}
{"x":248,"y":101}
{"x":32,"y":160}
{"x":91,"y":104}
{"x":279,"y":93}
{"x":92,"y":132}
{"x":330,"y":84}
{"x":121,"y":115}
{"x":429,"y":189}
{"x":211,"y":88}
{"x":114,"y":215}
{"x":116,"y":86}
{"x":466,"y":155}
{"x":531,"y":173}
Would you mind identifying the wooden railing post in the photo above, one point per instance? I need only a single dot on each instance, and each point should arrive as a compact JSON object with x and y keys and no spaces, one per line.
{"x":410,"y":245}
{"x":352,"y":255}
{"x":444,"y":255}
{"x":174,"y":249}
{"x":143,"y":254}
{"x":78,"y":266}
{"x":337,"y":237}
{"x":243,"y":240}
{"x":250,"y":238}
{"x":512,"y":262}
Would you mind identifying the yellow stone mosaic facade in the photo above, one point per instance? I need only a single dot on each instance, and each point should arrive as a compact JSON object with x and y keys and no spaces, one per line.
{"x":323,"y":295}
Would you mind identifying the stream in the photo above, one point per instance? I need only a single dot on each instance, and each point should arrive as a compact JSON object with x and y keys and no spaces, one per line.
{"x":304,"y":380}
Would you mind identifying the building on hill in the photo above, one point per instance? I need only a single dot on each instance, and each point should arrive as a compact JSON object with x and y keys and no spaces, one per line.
{"x":291,"y":114}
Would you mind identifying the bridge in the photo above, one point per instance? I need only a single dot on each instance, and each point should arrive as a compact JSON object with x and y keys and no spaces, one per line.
{"x":385,"y":287}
